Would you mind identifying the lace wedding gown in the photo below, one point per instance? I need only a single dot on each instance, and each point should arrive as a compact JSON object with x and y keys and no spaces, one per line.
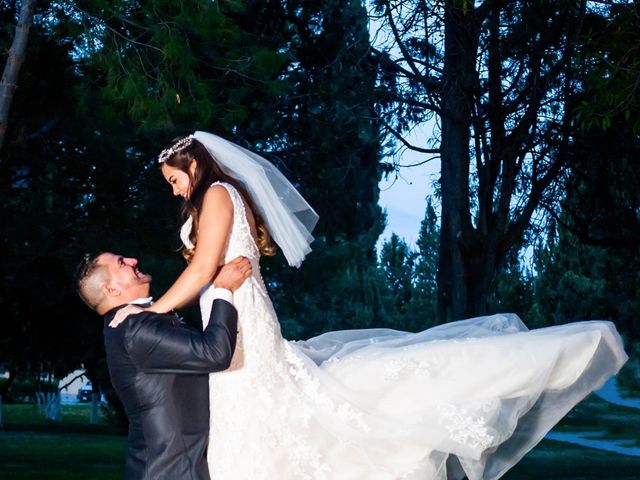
{"x":464,"y":398}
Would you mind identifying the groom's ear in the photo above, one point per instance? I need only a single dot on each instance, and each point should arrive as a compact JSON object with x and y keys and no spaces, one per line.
{"x":111,"y":290}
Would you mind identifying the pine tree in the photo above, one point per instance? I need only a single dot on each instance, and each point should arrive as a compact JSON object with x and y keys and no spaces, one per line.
{"x":397,"y":262}
{"x":425,"y":300}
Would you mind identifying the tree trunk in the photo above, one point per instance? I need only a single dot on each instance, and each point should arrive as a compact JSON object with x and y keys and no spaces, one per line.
{"x":9,"y":81}
{"x":461,"y":37}
{"x":4,"y":391}
{"x":52,"y":402}
{"x":481,"y":269}
{"x":93,"y":419}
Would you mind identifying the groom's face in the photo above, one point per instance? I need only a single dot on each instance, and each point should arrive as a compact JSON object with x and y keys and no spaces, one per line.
{"x":124,"y":275}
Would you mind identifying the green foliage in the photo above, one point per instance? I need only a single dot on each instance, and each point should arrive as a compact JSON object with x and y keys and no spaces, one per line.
{"x":170,"y":67}
{"x":410,"y":277}
{"x":588,"y":267}
{"x":611,"y":55}
{"x":278,"y":79}
{"x":513,"y":290}
{"x":602,"y":198}
{"x":326,"y":140}
{"x":398,"y":263}
{"x":107,"y":84}
{"x":337,"y":287}
{"x":583,"y":282}
{"x":426,"y":268}
{"x":24,"y":390}
{"x":41,"y":189}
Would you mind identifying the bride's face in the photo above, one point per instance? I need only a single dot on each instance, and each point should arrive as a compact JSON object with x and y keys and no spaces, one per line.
{"x":179,"y":180}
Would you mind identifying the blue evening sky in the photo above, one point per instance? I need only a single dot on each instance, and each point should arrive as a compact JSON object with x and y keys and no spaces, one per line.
{"x":404,"y":197}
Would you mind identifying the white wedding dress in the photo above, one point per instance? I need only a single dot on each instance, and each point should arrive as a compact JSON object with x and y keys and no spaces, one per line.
{"x":464,"y":398}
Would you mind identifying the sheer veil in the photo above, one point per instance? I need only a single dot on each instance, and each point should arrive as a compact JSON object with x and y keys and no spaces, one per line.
{"x":287,"y":215}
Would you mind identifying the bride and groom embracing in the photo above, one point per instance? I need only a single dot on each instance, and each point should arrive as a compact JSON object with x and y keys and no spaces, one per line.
{"x":463,"y":399}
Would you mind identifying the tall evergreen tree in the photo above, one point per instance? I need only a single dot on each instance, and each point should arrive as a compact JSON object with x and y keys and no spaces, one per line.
{"x":427,"y":255}
{"x":330,"y":145}
{"x":397,"y":261}
{"x":425,"y":297}
{"x":108,"y":83}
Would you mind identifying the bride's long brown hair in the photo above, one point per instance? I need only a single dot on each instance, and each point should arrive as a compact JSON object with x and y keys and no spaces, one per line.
{"x":207,"y":172}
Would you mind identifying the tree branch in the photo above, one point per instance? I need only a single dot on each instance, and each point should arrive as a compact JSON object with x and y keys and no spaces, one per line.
{"x":399,"y":136}
{"x":417,"y":103}
{"x":83,"y":374}
{"x":9,"y":81}
{"x":401,"y":45}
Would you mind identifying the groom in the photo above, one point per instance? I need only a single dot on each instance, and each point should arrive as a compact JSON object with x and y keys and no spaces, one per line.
{"x":159,"y":367}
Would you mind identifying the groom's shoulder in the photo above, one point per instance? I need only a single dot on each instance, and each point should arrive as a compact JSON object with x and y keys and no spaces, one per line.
{"x":134,"y":323}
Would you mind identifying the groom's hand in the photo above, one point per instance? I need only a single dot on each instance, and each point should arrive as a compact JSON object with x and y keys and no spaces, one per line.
{"x":233,"y":274}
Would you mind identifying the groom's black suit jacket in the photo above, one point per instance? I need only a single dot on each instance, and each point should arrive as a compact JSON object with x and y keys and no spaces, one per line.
{"x":159,"y":367}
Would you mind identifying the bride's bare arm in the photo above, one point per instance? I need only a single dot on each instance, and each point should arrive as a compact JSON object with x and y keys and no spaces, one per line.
{"x":216,"y":219}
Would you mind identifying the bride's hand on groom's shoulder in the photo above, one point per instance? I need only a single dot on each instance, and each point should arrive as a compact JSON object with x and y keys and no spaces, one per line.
{"x":122,"y":314}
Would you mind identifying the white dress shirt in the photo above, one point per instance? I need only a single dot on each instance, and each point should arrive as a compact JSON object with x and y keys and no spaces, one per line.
{"x":218,"y":293}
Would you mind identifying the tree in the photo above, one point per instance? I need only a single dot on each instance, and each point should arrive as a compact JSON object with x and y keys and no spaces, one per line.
{"x":602,"y":198}
{"x":278,"y":79}
{"x":106,"y":84}
{"x":327,"y":141}
{"x":609,"y":52}
{"x":513,"y":291}
{"x":37,"y":216}
{"x":63,"y":191}
{"x":499,"y":77}
{"x":397,"y":261}
{"x":15,"y":58}
{"x":427,"y":255}
{"x":576,"y":281}
{"x":425,"y":272}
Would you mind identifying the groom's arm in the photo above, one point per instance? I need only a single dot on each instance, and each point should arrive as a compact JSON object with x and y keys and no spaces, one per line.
{"x":157,"y":345}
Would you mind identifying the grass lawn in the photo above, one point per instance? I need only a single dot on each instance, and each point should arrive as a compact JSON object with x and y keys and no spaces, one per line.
{"x":31,"y":448}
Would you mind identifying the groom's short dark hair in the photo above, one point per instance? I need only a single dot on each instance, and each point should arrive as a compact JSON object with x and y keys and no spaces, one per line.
{"x":86,"y":271}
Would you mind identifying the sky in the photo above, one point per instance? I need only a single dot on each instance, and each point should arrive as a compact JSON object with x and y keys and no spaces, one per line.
{"x":404,"y":197}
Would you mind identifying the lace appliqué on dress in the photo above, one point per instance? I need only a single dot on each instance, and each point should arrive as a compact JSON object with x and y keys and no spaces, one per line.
{"x":467,"y":426}
{"x":407,"y":366}
{"x":312,"y":390}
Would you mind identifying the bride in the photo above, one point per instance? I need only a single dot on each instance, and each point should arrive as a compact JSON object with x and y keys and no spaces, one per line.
{"x":466,"y":398}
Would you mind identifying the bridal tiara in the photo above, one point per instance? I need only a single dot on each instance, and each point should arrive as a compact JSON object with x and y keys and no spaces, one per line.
{"x":179,"y":145}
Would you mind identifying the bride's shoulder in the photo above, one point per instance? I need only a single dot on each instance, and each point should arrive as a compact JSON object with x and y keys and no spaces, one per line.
{"x":220,"y":196}
{"x":219,"y":185}
{"x":231,"y":190}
